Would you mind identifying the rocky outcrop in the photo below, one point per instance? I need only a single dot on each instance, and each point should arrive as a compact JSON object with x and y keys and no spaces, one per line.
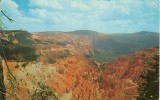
{"x":121,"y":77}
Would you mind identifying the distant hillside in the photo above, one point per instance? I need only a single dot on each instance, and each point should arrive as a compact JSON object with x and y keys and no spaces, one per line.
{"x":141,"y":39}
{"x":83,"y":32}
{"x":101,"y":47}
{"x":122,"y":44}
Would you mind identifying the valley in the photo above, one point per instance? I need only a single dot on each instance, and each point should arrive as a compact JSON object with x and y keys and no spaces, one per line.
{"x":77,"y":65}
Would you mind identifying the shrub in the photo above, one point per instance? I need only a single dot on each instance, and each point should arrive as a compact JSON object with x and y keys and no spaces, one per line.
{"x":43,"y":92}
{"x":16,"y":66}
{"x":51,"y":61}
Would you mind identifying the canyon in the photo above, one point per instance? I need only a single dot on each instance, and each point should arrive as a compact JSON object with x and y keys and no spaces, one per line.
{"x":77,"y":65}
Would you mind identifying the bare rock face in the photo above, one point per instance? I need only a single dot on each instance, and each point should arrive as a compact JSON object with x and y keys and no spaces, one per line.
{"x":65,"y":66}
{"x":15,"y":41}
{"x":130,"y":88}
{"x":121,"y":77}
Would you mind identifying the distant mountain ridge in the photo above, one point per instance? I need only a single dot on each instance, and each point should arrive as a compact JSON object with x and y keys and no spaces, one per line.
{"x":84,"y":32}
{"x":124,"y":44}
{"x":109,"y":46}
{"x":91,"y":32}
{"x":96,"y":32}
{"x":105,"y":47}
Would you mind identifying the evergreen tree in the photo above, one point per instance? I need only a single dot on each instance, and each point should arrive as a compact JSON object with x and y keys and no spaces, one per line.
{"x":149,"y":90}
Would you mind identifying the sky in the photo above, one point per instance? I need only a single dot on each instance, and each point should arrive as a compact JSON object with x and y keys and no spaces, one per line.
{"x":107,"y":16}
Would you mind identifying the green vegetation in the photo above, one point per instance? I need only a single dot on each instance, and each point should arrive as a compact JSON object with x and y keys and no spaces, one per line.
{"x":149,"y":90}
{"x":24,"y":38}
{"x":61,"y":43}
{"x":17,"y":66}
{"x":23,"y":51}
{"x":25,"y":64}
{"x":51,"y":61}
{"x":43,"y":92}
{"x":101,"y":55}
{"x":44,"y":42}
{"x":102,"y":66}
{"x":65,"y":53}
{"x":19,"y":53}
{"x":11,"y":78}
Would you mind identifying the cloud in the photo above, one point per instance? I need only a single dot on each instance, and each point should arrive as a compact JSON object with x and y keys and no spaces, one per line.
{"x":41,"y":13}
{"x":47,"y":4}
{"x":99,"y":15}
{"x":20,"y":21}
{"x":10,"y":7}
{"x":79,"y":6}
